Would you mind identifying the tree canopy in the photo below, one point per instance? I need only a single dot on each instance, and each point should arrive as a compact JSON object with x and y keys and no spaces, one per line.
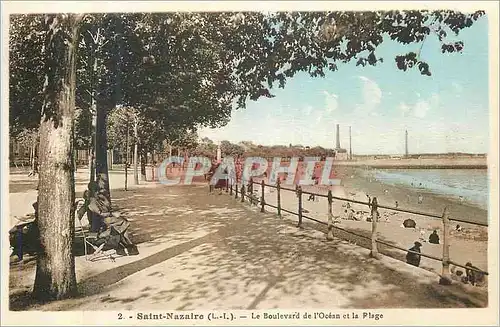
{"x":189,"y":69}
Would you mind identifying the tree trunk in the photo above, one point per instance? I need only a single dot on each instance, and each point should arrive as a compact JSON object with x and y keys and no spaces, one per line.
{"x":144,"y":161}
{"x":101,"y":158}
{"x":136,"y":172}
{"x":93,"y":126}
{"x":110,"y":159}
{"x":153,"y":165}
{"x":55,"y":272}
{"x":90,"y":163}
{"x":126,"y":154}
{"x":32,"y":158}
{"x":74,"y":160}
{"x":35,"y":158}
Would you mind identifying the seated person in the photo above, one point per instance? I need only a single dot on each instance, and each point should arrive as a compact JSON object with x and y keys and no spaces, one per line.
{"x":96,"y":207}
{"x":104,"y":223}
{"x":25,"y":237}
{"x":434,"y":237}
{"x":475,"y":277}
{"x":414,"y":258}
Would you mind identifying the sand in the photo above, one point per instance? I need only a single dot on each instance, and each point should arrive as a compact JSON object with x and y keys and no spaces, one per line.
{"x":470,"y":245}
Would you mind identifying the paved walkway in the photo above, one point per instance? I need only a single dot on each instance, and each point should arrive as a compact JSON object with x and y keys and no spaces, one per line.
{"x":201,"y":251}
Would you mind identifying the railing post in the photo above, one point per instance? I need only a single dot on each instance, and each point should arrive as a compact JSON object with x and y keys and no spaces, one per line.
{"x":242,"y":192}
{"x":236,"y":190}
{"x":445,"y":274}
{"x":299,"y":195}
{"x":329,"y":235}
{"x":374,"y":252}
{"x":278,"y":188}
{"x":263,"y":201}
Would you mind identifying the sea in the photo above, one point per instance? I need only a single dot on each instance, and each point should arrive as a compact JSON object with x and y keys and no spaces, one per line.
{"x":467,"y":185}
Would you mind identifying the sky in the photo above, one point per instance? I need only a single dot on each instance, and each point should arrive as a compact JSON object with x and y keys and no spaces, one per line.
{"x":446,"y":112}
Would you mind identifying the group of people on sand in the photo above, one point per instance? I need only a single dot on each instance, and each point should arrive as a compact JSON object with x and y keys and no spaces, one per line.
{"x":473,"y":275}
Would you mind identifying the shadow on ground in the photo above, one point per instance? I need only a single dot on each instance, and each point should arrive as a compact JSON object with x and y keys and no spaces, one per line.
{"x":245,"y":260}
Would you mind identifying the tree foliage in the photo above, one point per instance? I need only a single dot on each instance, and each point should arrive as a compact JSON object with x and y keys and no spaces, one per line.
{"x":26,"y":77}
{"x":190,"y":69}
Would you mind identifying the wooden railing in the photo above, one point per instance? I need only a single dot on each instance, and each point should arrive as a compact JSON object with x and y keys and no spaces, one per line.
{"x":245,"y":192}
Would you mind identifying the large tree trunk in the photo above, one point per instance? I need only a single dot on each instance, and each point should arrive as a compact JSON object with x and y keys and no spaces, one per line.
{"x":55,"y":273}
{"x":101,"y":158}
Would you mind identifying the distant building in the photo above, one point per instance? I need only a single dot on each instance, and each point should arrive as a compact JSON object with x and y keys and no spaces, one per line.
{"x":341,"y":154}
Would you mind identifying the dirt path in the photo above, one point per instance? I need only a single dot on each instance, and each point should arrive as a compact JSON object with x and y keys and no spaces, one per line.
{"x":201,"y":251}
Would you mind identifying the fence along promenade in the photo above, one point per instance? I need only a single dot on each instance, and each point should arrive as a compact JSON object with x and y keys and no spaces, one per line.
{"x":246,"y":193}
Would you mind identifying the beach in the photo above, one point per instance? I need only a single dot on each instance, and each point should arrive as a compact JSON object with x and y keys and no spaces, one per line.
{"x":468,"y":245}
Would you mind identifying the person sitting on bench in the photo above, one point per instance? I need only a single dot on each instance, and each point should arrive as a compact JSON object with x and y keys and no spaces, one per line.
{"x":103,"y":222}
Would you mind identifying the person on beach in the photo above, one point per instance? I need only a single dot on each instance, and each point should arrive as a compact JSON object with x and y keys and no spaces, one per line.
{"x":434,"y":237}
{"x":413,"y":258}
{"x":409,"y":223}
{"x":312,"y":197}
{"x":420,"y":198}
{"x":350,"y":212}
{"x":474,"y":277}
{"x":458,"y":276}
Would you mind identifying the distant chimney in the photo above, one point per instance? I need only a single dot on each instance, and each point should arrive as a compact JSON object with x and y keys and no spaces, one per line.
{"x":350,"y":144}
{"x":337,"y":146}
{"x":406,"y":143}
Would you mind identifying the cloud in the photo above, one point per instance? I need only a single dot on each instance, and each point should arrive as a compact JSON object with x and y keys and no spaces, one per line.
{"x":457,"y":87}
{"x":307,"y":110}
{"x":331,"y":101}
{"x":404,"y":108}
{"x":372,"y":94}
{"x":421,"y":107}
